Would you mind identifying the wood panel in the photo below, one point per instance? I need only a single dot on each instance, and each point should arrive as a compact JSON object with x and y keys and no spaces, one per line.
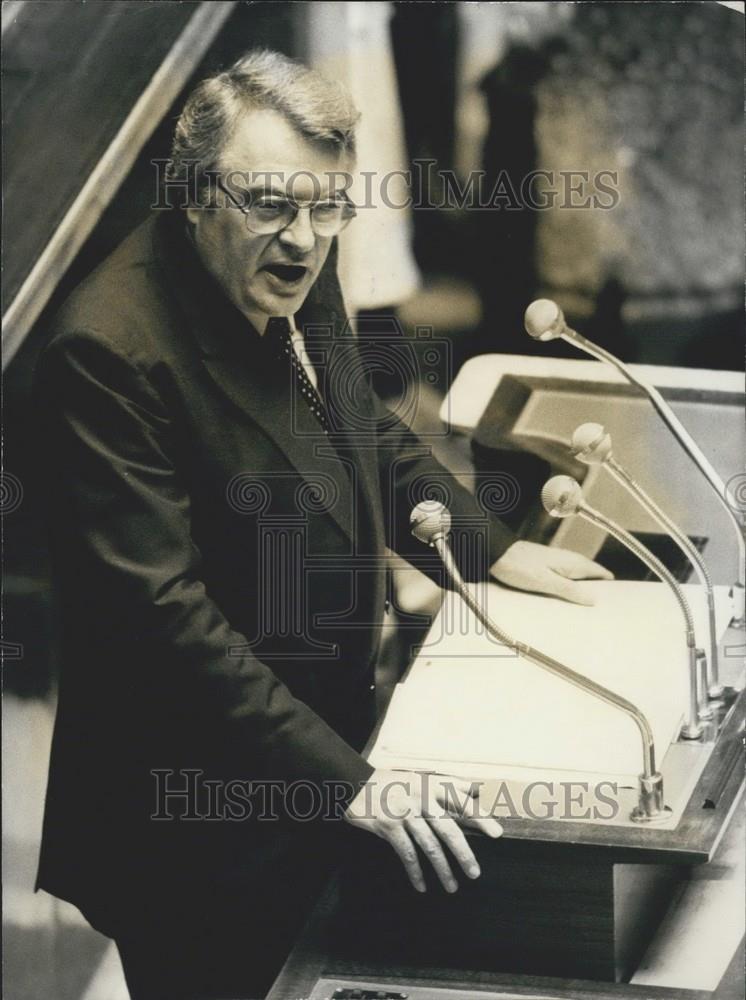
{"x":85,"y":84}
{"x":582,"y":918}
{"x":317,"y":954}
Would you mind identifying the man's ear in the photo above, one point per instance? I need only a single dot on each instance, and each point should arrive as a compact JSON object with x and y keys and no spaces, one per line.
{"x":192,"y":214}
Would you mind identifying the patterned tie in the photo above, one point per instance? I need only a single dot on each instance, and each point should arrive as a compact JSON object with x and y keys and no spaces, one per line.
{"x":280,"y":338}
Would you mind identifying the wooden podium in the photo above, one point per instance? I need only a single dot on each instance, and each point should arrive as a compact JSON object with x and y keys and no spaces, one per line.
{"x":554,"y":898}
{"x":563,"y":908}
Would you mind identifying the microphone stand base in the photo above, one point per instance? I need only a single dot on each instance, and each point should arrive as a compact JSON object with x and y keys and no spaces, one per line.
{"x":650,"y":807}
{"x":639,"y":815}
{"x":692,"y":731}
{"x":707,"y":710}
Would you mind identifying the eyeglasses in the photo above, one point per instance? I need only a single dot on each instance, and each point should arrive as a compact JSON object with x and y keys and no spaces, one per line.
{"x":271,"y":213}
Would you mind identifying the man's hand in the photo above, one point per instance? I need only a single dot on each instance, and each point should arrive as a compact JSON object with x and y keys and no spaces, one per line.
{"x":529,"y":566}
{"x":407,"y":808}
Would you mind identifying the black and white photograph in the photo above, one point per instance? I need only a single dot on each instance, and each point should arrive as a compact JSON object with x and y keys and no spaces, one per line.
{"x":373,"y":500}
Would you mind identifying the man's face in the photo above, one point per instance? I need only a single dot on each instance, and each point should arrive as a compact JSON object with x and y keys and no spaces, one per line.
{"x":269,"y":274}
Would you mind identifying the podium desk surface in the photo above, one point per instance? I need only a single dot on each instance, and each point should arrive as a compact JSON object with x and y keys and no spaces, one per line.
{"x":699,"y":830}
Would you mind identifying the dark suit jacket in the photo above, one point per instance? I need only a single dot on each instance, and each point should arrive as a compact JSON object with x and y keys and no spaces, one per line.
{"x":219,"y":569}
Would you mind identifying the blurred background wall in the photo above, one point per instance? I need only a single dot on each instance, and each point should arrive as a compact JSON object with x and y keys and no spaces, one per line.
{"x":651,"y":93}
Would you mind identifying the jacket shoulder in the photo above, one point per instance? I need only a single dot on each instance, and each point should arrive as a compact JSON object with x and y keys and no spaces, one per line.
{"x":123,"y":305}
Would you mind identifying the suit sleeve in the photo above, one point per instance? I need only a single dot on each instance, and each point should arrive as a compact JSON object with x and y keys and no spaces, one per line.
{"x":409,"y":473}
{"x":122,"y":512}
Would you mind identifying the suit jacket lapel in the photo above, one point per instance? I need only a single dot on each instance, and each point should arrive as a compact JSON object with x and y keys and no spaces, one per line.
{"x":236,"y":357}
{"x":294,"y":430}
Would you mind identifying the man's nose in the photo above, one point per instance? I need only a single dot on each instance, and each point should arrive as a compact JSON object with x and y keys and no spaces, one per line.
{"x":299,"y":234}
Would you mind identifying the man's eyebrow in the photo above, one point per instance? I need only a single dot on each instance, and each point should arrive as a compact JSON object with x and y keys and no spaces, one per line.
{"x":271,"y":189}
{"x":263,"y":188}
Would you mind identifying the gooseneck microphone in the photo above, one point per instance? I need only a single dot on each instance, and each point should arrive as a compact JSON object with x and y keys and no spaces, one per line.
{"x":544,"y":320}
{"x":563,"y":497}
{"x":591,"y":444}
{"x":430,"y":522}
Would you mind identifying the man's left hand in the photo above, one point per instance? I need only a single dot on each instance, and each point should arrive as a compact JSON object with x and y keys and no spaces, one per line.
{"x":530,"y":566}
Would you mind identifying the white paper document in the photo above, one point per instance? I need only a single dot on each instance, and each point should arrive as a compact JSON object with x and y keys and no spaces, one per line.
{"x":470,"y":706}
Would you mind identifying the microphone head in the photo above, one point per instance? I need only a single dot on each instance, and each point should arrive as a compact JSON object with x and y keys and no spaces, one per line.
{"x":544,"y":320}
{"x":429,"y":520}
{"x":591,"y":444}
{"x":562,"y":496}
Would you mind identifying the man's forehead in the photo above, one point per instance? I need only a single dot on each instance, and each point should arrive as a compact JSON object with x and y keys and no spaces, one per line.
{"x":266,"y":151}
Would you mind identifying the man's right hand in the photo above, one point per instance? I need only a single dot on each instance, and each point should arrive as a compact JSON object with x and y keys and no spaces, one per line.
{"x":409,"y":808}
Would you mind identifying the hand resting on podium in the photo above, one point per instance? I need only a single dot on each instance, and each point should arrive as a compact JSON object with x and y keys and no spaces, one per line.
{"x":545,"y":570}
{"x":408,"y":808}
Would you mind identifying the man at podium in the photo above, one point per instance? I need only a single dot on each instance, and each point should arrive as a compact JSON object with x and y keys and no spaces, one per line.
{"x":223,"y":484}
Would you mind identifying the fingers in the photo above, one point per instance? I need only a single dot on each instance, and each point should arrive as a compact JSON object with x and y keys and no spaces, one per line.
{"x":454,"y":795}
{"x":539,"y":568}
{"x":579,"y":567}
{"x":432,"y":850}
{"x":568,"y":590}
{"x":485,"y":824}
{"x":595,"y":571}
{"x":402,"y":844}
{"x":467,"y":811}
{"x":427,"y":816}
{"x":454,"y":839}
{"x":470,"y":789}
{"x":557,"y":585}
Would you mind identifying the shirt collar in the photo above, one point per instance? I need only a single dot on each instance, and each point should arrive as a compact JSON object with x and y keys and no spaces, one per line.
{"x":259,"y":321}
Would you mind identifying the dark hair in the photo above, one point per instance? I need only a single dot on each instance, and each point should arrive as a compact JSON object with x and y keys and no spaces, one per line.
{"x":318,"y":108}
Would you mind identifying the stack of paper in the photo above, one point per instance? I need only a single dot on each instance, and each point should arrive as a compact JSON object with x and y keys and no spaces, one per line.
{"x":470,"y":706}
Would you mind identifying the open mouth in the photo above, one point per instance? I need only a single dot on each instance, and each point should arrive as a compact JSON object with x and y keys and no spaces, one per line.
{"x":289,"y":274}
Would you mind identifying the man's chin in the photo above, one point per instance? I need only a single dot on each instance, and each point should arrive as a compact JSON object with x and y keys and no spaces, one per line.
{"x":279,"y":299}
